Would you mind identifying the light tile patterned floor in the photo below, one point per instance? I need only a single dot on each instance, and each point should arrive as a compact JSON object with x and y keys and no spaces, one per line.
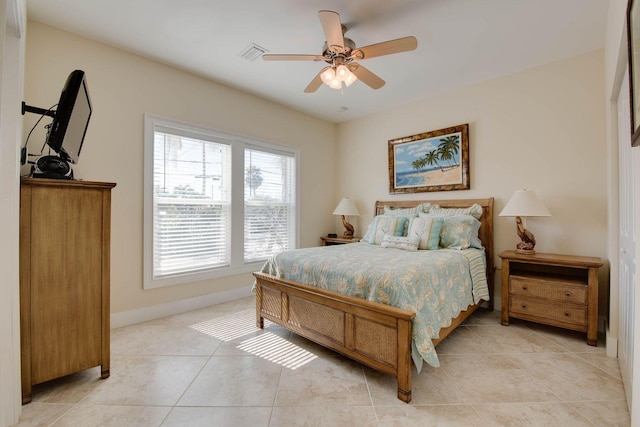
{"x":212,"y":367}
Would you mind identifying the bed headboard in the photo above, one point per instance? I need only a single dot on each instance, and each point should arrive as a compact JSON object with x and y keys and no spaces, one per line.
{"x":486,"y":229}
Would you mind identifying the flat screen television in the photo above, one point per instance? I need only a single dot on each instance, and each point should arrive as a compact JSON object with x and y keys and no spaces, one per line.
{"x":66,"y":133}
{"x":71,"y":119}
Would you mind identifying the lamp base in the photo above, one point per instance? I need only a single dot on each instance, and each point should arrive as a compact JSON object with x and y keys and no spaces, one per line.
{"x":525,"y":251}
{"x":348,"y":228}
{"x":527,"y":240}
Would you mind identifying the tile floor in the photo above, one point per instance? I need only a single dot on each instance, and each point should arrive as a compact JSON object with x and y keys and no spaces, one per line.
{"x":212,"y":367}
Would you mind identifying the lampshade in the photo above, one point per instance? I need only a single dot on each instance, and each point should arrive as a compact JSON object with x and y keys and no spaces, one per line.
{"x":349,"y":79}
{"x":342,"y":72}
{"x":346,"y":207}
{"x":525,"y":203}
{"x":327,"y":75}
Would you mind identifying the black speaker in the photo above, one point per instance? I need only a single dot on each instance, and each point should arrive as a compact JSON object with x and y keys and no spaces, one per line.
{"x":52,"y":167}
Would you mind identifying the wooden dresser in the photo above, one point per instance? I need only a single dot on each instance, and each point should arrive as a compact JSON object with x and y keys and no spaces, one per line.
{"x":558,"y":290}
{"x":65,"y":228}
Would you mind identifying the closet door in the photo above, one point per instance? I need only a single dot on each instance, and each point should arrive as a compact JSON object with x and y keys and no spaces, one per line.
{"x":627,"y":239}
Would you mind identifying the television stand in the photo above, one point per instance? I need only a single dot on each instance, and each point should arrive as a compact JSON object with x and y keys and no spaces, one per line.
{"x":53,"y":167}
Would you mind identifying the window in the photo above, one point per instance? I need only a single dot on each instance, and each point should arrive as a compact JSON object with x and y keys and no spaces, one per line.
{"x":269,"y":204}
{"x":199,"y":185}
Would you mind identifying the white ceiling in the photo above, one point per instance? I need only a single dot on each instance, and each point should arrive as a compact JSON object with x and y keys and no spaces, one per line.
{"x":460,"y":42}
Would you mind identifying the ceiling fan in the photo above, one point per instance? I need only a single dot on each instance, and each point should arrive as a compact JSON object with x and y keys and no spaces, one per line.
{"x":341,"y":53}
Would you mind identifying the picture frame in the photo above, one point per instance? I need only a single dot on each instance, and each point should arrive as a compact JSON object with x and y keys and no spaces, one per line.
{"x":633,"y":49}
{"x":431,"y":161}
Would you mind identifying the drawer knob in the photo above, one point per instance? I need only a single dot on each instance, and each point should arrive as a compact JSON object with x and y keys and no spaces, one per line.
{"x":524,"y":306}
{"x":524,"y":288}
{"x":568,"y":294}
{"x":566,"y":314}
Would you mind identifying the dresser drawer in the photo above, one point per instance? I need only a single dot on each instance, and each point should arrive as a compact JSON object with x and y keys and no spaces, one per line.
{"x":569,"y":313}
{"x":557,"y":290}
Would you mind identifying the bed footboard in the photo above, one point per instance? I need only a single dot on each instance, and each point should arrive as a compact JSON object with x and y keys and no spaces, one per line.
{"x":374,"y":334}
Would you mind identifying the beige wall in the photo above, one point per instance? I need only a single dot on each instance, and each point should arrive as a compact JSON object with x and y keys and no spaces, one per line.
{"x":123,"y":87}
{"x":541,"y":129}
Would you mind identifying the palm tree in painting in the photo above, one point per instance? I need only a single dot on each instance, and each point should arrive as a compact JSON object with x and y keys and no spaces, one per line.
{"x":418,"y":164}
{"x":432,"y":158}
{"x":445,"y":154}
{"x":449,"y":147}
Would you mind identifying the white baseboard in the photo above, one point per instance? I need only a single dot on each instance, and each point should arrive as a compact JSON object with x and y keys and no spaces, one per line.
{"x":612,"y":344}
{"x":125,"y":318}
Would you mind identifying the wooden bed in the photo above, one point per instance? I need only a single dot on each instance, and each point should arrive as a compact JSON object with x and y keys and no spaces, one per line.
{"x":371,"y":333}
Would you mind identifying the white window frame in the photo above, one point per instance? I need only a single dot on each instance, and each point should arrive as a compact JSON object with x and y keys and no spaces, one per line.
{"x":238,"y":144}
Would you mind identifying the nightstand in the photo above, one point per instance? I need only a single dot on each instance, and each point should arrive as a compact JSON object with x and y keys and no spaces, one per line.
{"x":557,"y":290}
{"x":328,"y":241}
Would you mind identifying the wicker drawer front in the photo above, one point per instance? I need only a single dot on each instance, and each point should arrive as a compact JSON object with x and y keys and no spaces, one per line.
{"x":550,"y":289}
{"x":568,"y":313}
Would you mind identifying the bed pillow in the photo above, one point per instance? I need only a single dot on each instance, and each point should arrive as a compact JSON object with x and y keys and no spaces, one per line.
{"x":460,"y":232}
{"x":408,"y":212}
{"x":405,"y":243}
{"x":427,"y":230}
{"x":474,"y":210}
{"x":384,"y":224}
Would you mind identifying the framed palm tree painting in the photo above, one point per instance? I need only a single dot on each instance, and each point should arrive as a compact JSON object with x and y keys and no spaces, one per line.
{"x":633,"y":48}
{"x":430,"y":161}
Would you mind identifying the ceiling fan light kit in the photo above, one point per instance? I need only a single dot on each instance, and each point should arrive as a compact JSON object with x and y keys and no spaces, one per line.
{"x":341,"y":52}
{"x":335,"y":76}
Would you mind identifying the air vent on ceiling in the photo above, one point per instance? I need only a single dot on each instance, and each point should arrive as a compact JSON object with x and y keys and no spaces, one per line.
{"x":252,"y":52}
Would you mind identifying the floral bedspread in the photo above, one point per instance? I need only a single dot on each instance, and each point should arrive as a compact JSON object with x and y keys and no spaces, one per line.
{"x":436,"y":285}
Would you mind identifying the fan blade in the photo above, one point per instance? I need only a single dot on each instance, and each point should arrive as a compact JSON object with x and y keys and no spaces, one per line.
{"x":315,"y":83}
{"x":291,"y":57}
{"x":366,"y":76}
{"x":332,"y":30}
{"x":386,"y":48}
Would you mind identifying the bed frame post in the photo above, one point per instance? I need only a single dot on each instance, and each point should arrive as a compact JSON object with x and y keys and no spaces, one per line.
{"x":259,"y":318}
{"x":404,"y":360}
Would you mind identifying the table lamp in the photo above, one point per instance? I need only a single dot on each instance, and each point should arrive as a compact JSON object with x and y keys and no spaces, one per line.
{"x":522,"y":204}
{"x":345,"y":208}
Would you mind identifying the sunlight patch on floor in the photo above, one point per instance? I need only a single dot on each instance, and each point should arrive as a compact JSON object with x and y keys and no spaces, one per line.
{"x":267,"y":345}
{"x":231,"y":327}
{"x":278,"y":350}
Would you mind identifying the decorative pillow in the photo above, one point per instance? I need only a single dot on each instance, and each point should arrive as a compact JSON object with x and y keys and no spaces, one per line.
{"x":474,"y":210}
{"x":399,"y":242}
{"x":427,"y":230}
{"x":425,"y":207}
{"x":460,"y":232}
{"x":381,"y":225}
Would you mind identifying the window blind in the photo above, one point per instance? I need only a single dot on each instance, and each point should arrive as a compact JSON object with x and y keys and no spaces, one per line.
{"x":269,"y":203}
{"x":191,"y":204}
